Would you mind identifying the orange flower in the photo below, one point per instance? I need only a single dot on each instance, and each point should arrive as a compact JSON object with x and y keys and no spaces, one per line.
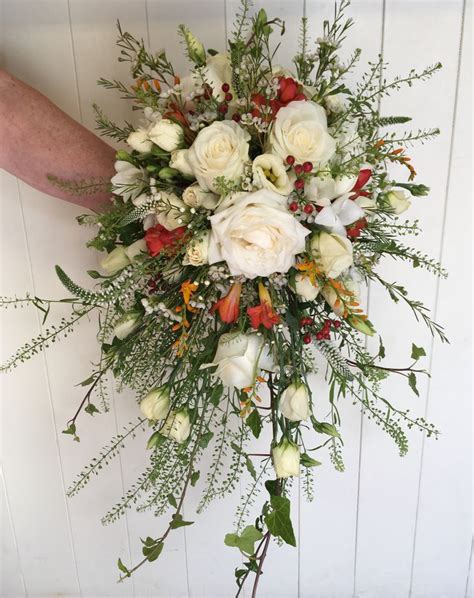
{"x":263,"y":314}
{"x":228,"y":306}
{"x":187,"y":289}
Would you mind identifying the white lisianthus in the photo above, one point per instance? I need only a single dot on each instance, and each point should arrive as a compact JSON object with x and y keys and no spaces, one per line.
{"x":127,"y":324}
{"x":300,"y":130}
{"x":129,"y":181}
{"x":139,"y":141}
{"x":179,"y":161}
{"x":332,"y":252}
{"x":177,"y":426}
{"x":256,"y":234}
{"x":239,"y":359}
{"x":334,"y":102}
{"x":294,"y":402}
{"x":218,"y":71}
{"x":304,"y":288}
{"x":323,"y":188}
{"x":339,"y":214}
{"x":221,"y":149}
{"x":116,"y":260}
{"x":269,"y":173}
{"x":286,"y":459}
{"x":197,"y":250}
{"x":398,"y":201}
{"x":166,"y":134}
{"x":156,"y":404}
{"x":195,"y":197}
{"x":136,"y":249}
{"x":171,"y":211}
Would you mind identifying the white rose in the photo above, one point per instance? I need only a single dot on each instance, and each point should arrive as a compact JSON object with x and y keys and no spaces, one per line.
{"x":240,"y":357}
{"x":197,"y":250}
{"x":256,"y":234}
{"x":129,"y":181}
{"x":195,"y":197}
{"x":286,"y":459}
{"x":294,"y":402}
{"x":305,"y":288}
{"x":166,"y":134}
{"x":323,"y":188}
{"x":269,"y":173}
{"x":177,"y":426}
{"x":221,"y":149}
{"x":398,"y":201}
{"x":138,"y":140}
{"x":179,"y":161}
{"x":332,"y":252}
{"x":136,"y":249}
{"x":300,"y":130}
{"x":171,"y":211}
{"x":127,"y":324}
{"x":156,"y":404}
{"x":116,"y":260}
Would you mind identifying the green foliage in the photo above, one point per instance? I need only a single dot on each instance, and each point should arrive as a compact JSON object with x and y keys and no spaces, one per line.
{"x":278,"y":520}
{"x":245,"y":542}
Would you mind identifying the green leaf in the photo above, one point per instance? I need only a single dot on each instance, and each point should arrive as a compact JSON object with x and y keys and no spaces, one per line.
{"x":278,"y":520}
{"x":246,"y":541}
{"x":216,"y":395}
{"x":412,"y":383}
{"x":254,"y":422}
{"x":177,"y":521}
{"x":152,"y":549}
{"x":417,"y":352}
{"x":71,"y":429}
{"x":324,"y":428}
{"x":195,"y":477}
{"x":205,"y":439}
{"x":381,"y":352}
{"x":307,"y":461}
{"x":91,"y":409}
{"x":156,"y":439}
{"x":250,"y":468}
{"x":122,"y":568}
{"x":87,"y":381}
{"x":94,"y":274}
{"x":172,"y":501}
{"x":271,"y":486}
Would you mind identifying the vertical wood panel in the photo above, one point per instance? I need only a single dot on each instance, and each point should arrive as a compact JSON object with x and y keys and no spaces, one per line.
{"x":12,"y":583}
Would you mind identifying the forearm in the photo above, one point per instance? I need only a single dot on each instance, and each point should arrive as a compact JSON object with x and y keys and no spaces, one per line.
{"x":38,"y":139}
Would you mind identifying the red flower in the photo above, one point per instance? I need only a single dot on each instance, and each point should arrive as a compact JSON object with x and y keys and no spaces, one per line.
{"x":228,"y":306}
{"x":158,"y":237}
{"x":353,"y":231}
{"x":362,"y":179}
{"x":289,"y":90}
{"x":263,"y":314}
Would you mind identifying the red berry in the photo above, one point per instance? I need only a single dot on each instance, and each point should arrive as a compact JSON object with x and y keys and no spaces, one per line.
{"x":293,"y":206}
{"x":326,"y":336}
{"x":225,"y":87}
{"x":302,"y":322}
{"x":299,"y":169}
{"x":307,"y":338}
{"x":236,"y":117}
{"x":309,"y":321}
{"x":290,"y":160}
{"x":299,"y":184}
{"x":223,"y":108}
{"x":319,"y":336}
{"x":308,"y":166}
{"x":308,"y":208}
{"x":336,"y":324}
{"x":255,"y":112}
{"x":228,"y":97}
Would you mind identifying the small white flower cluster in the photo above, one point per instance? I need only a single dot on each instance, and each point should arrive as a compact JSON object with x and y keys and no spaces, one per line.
{"x":248,"y":120}
{"x":175,"y":90}
{"x":151,"y":307}
{"x":199,"y":121}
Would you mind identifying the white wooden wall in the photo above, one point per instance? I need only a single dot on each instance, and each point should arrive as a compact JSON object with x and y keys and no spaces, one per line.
{"x":386,"y":528}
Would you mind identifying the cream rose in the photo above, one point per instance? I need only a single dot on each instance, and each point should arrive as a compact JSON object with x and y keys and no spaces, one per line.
{"x":197,"y":250}
{"x":138,"y":140}
{"x":177,"y":426}
{"x":286,"y":459}
{"x":332,"y":252}
{"x":294,"y":402}
{"x":304,"y":288}
{"x":239,"y":359}
{"x":156,"y":404}
{"x":300,"y":130}
{"x":166,"y":134}
{"x":221,"y":149}
{"x":195,"y":197}
{"x":398,"y":201}
{"x":256,"y":234}
{"x":269,"y":173}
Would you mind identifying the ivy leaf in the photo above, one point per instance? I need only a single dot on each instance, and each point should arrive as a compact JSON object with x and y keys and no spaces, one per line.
{"x":177,"y":521}
{"x":122,"y":568}
{"x":71,"y":429}
{"x":417,"y":352}
{"x":307,"y":461}
{"x":246,"y":541}
{"x":271,"y":486}
{"x":254,"y":422}
{"x":152,"y":549}
{"x":205,"y":439}
{"x":412,"y":383}
{"x":91,"y":409}
{"x":278,"y":520}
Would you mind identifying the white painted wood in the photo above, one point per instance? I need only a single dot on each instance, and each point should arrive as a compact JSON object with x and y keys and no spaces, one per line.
{"x":406,"y":525}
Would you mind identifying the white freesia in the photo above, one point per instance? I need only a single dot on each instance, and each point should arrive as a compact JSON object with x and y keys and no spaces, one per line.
{"x":294,"y":402}
{"x":221,"y":149}
{"x":240,"y":357}
{"x":156,"y":404}
{"x":129,"y":181}
{"x":305,"y":288}
{"x":332,"y":252}
{"x":177,"y":426}
{"x":135,"y":249}
{"x":166,"y":134}
{"x":269,"y":173}
{"x":197,"y":250}
{"x":300,"y":130}
{"x":398,"y":201}
{"x":323,"y":188}
{"x":286,"y":459}
{"x":127,"y":324}
{"x":179,"y":161}
{"x":331,"y":297}
{"x":139,"y":141}
{"x":171,"y":211}
{"x":256,"y":234}
{"x":339,"y":214}
{"x":195,"y":197}
{"x":116,"y":260}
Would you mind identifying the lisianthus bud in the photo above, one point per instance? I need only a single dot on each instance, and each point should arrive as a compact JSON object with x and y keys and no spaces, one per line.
{"x":294,"y":402}
{"x":305,"y":288}
{"x":166,"y":134}
{"x":196,"y":51}
{"x":398,"y":201}
{"x":361,"y":324}
{"x":286,"y":459}
{"x":136,"y":249}
{"x":177,"y":425}
{"x":116,"y":260}
{"x":167,"y":173}
{"x":156,"y":404}
{"x":127,"y":324}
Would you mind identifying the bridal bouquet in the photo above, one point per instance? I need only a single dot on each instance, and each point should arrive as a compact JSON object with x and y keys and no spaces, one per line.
{"x":250,"y":206}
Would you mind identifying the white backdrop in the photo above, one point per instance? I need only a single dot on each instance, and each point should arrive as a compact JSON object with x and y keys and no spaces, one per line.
{"x":387,"y":527}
